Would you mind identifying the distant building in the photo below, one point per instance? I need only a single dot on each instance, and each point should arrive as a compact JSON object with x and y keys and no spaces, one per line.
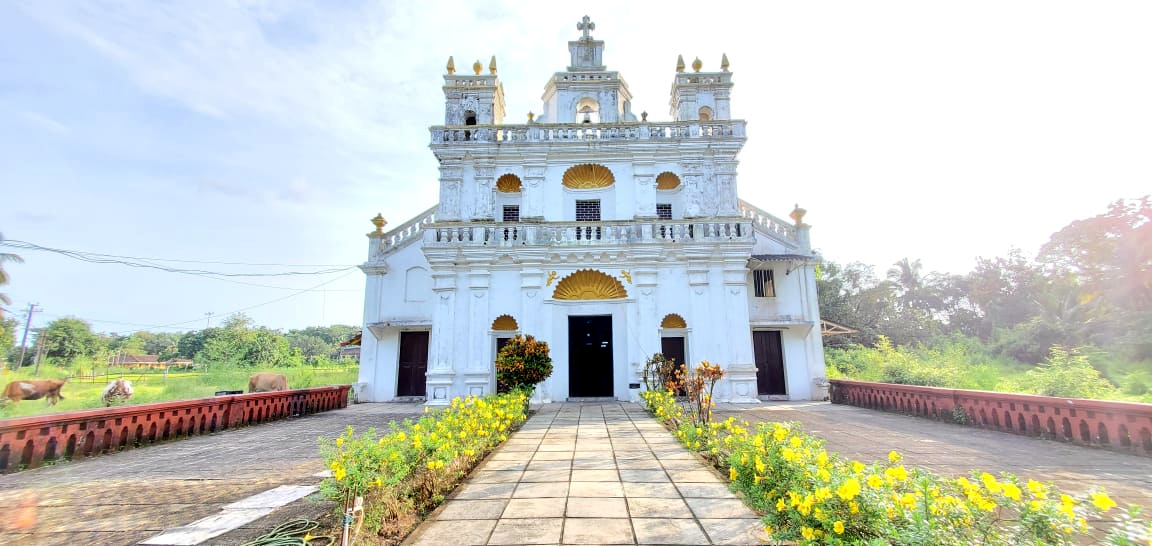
{"x":151,"y":362}
{"x":351,"y":347}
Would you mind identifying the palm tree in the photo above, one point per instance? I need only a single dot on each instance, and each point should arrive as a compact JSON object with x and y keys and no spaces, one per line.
{"x":6,"y":257}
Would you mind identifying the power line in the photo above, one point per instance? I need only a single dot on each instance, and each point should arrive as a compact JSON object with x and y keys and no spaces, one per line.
{"x":145,"y":263}
{"x":189,"y":261}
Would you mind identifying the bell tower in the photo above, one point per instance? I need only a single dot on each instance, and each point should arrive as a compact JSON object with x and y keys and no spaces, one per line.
{"x":473,"y":99}
{"x":587,"y":92}
{"x":701,"y":96}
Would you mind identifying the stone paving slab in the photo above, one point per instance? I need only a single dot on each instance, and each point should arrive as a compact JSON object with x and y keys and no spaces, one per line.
{"x":606,"y":487}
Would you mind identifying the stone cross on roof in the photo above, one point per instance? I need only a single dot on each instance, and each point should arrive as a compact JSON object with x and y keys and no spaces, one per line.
{"x":587,"y":26}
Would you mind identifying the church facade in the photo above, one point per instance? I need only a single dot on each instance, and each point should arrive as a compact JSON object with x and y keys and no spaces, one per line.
{"x":608,"y":237}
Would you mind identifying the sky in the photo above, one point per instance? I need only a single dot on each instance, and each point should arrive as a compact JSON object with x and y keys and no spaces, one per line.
{"x":270,"y":132}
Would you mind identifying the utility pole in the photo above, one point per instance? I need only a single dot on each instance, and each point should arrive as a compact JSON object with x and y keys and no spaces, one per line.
{"x":39,"y":350}
{"x":24,"y":340}
{"x":208,"y":324}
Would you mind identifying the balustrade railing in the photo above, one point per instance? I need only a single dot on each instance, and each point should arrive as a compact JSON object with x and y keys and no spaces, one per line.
{"x":578,"y":233}
{"x":1124,"y":426}
{"x":767,"y":222}
{"x":27,"y":442}
{"x":542,"y":132}
{"x":408,"y":230}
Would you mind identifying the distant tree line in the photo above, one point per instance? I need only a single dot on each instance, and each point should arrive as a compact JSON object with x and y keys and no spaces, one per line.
{"x":1090,"y":285}
{"x":71,"y":343}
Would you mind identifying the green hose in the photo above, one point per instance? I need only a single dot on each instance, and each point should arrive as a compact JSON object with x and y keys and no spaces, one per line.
{"x":292,"y":533}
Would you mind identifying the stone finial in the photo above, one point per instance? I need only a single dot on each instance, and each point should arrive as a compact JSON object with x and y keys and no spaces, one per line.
{"x":379,"y":222}
{"x":530,"y":116}
{"x":492,"y":66}
{"x":724,"y":62}
{"x":797,"y":214}
{"x":644,"y":116}
{"x":477,"y":67}
{"x":679,"y":63}
{"x":697,"y":65}
{"x":451,"y":66}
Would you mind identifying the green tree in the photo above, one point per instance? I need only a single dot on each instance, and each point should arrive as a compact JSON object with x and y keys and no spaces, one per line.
{"x":6,"y":257}
{"x":70,"y":338}
{"x":1068,"y":373}
{"x":7,"y":338}
{"x":310,"y":346}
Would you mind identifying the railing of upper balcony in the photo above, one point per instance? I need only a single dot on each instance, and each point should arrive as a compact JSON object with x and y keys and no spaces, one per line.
{"x":406,"y":231}
{"x":767,"y":222}
{"x":622,"y":131}
{"x":588,"y":233}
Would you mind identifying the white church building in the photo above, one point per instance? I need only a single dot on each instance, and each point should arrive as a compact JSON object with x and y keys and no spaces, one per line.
{"x":607,"y":236}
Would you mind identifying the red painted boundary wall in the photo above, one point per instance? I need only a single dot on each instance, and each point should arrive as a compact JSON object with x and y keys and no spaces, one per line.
{"x":27,"y":442}
{"x":1123,"y":426}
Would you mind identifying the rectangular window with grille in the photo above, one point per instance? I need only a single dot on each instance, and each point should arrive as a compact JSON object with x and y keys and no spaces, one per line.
{"x":762,"y":283}
{"x":588,"y":211}
{"x":511,"y":213}
{"x":664,"y":211}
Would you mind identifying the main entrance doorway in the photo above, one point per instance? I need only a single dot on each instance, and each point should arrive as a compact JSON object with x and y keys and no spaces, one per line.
{"x":589,"y":356}
{"x":769,"y":362}
{"x":410,"y":379}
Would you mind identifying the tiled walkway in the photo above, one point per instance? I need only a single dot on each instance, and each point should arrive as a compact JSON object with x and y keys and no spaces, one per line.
{"x":591,"y":474}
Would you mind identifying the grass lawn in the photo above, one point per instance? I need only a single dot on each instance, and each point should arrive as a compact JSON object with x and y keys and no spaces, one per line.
{"x":152,"y":386}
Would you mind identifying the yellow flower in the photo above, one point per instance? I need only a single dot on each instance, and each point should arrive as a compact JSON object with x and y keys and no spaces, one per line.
{"x":732,"y":474}
{"x":897,"y":473}
{"x":340,"y":441}
{"x":875,"y":482}
{"x":1037,"y":489}
{"x":780,"y":504}
{"x":808,"y":533}
{"x":857,"y":467}
{"x":849,"y":489}
{"x":894,"y":457}
{"x":768,"y":529}
{"x":838,"y":527}
{"x":1011,"y":491}
{"x":1100,"y":500}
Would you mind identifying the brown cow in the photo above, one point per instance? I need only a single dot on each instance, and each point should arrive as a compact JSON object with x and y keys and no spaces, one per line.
{"x":264,"y":382}
{"x":35,"y":389}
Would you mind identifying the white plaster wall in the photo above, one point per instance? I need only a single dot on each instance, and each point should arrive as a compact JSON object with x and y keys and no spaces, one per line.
{"x":394,"y":302}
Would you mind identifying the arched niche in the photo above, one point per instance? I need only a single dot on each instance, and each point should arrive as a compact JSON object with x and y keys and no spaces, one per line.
{"x":505,"y":323}
{"x":589,"y":284}
{"x":672,"y":320}
{"x":588,"y":110}
{"x":667,"y":181}
{"x":417,"y":284}
{"x":705,"y":113}
{"x":588,"y":176}
{"x":508,"y":183}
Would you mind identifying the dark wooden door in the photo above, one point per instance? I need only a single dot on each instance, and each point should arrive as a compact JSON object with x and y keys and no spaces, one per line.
{"x":673,"y":348}
{"x":769,"y":362}
{"x":589,"y":356}
{"x":500,"y":343}
{"x":410,"y":380}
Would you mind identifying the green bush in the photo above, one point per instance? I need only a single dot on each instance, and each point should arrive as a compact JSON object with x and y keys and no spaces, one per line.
{"x":1068,"y":373}
{"x":522,"y":363}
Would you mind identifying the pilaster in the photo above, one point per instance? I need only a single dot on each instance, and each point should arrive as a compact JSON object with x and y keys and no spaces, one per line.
{"x":741,"y":369}
{"x":485,"y":190}
{"x":644,"y":176}
{"x":440,"y":372}
{"x":478,"y":373}
{"x":692,"y":176}
{"x":532,"y":193}
{"x":451,"y":186}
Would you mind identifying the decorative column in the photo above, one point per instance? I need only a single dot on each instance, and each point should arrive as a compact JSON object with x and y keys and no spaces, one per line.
{"x":644,"y":175}
{"x":484,"y":192}
{"x":532,"y":295}
{"x":532,"y":194}
{"x":440,"y":373}
{"x":692,"y":177}
{"x":372,"y":384}
{"x":741,"y":371}
{"x":477,"y":376}
{"x":451,"y":185}
{"x":726,"y":193}
{"x":646,"y":333}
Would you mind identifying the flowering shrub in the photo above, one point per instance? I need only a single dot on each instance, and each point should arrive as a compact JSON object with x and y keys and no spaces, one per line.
{"x":661,"y":372}
{"x":522,"y":363}
{"x":811,"y":496}
{"x":404,"y":472}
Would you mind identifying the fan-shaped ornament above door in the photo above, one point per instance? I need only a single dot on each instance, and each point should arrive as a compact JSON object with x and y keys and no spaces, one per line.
{"x":588,"y":284}
{"x":508,"y":183}
{"x":667,"y":181}
{"x":505,"y":323}
{"x":588,"y":176}
{"x":672,"y":320}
